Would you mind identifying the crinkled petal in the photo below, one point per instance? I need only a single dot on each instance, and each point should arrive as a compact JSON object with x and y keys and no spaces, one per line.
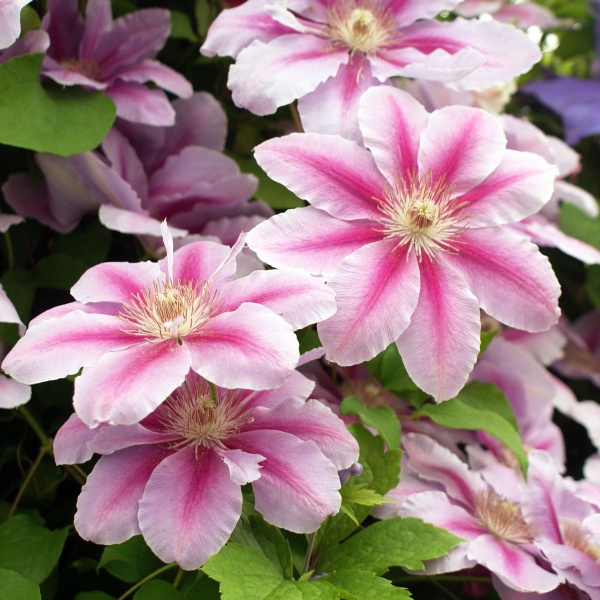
{"x":518,"y":188}
{"x":56,"y":348}
{"x":137,"y":103}
{"x":71,"y":442}
{"x":299,"y":298}
{"x":461,"y":146}
{"x":125,"y":386}
{"x":309,"y":239}
{"x":392,"y":122}
{"x":243,"y":467}
{"x":376,"y":290}
{"x":267,"y":76}
{"x":128,"y":221}
{"x":298,"y":486}
{"x":189,"y":507}
{"x":512,"y":280}
{"x":333,"y":174}
{"x":107,"y":508}
{"x":249,"y":348}
{"x":311,"y":421}
{"x":440,"y":346}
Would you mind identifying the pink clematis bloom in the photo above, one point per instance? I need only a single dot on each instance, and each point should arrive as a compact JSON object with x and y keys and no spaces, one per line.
{"x":137,"y":329}
{"x":176,"y":477}
{"x":408,"y":233}
{"x":524,"y":14}
{"x":10,"y":21}
{"x":327,"y":53}
{"x":115,"y":57}
{"x":484,"y":513}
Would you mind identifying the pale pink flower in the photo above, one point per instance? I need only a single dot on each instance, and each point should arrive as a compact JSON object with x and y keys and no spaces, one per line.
{"x":408,"y":233}
{"x":486,"y":514}
{"x":176,"y":477}
{"x":326,"y":53}
{"x":115,"y":57}
{"x":523,"y":14}
{"x":137,"y":329}
{"x":10,"y":21}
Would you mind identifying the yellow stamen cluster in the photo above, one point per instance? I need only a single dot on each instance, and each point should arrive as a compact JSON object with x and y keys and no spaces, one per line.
{"x":360,"y":26}
{"x":575,"y":537}
{"x":87,"y":68}
{"x":421,"y":214}
{"x":169,"y":310}
{"x":502,"y":517}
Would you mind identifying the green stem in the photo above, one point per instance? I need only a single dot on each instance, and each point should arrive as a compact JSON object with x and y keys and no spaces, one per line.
{"x":79,"y":475}
{"x":26,"y":481}
{"x":178,"y":578}
{"x":309,"y":550}
{"x":146,"y":579}
{"x":44,"y":439}
{"x":10,"y":255}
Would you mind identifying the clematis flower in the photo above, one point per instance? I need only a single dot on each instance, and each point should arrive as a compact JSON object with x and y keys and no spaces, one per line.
{"x":10,"y":21}
{"x":328,"y":53}
{"x":408,"y":233}
{"x":145,"y":175}
{"x":137,"y":329}
{"x":176,"y":477}
{"x":115,"y":57}
{"x":524,"y":14}
{"x":484,"y":513}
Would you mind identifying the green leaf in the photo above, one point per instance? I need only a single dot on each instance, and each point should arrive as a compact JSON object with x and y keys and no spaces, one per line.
{"x":243,"y":572}
{"x":303,"y":590}
{"x":204,"y":587}
{"x":480,"y":406}
{"x":593,"y":284}
{"x":254,"y":532}
{"x":359,"y":494}
{"x":382,"y":418}
{"x":16,"y":587}
{"x":20,"y":288}
{"x":59,"y":271}
{"x":273,"y":193}
{"x":346,"y":509}
{"x":181,"y":27}
{"x":29,"y":19}
{"x":576,"y":223}
{"x":399,"y":542}
{"x":362,"y":585}
{"x":89,"y":243}
{"x":388,"y":368}
{"x":63,"y":121}
{"x":157,"y":589}
{"x":30,"y":549}
{"x":130,"y":561}
{"x":93,"y":596}
{"x":486,"y":338}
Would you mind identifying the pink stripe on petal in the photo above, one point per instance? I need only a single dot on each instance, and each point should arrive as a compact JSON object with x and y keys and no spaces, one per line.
{"x":139,"y":104}
{"x":299,"y":298}
{"x":189,"y":507}
{"x":309,"y":239}
{"x":376,"y":291}
{"x":512,"y":280}
{"x":107,"y":508}
{"x":124,"y":387}
{"x":310,"y":421}
{"x":56,"y":348}
{"x":249,"y":348}
{"x":159,"y":74}
{"x":462,"y":145}
{"x":440,"y":346}
{"x":98,"y":20}
{"x":391,"y":122}
{"x":115,"y":282}
{"x":333,"y":174}
{"x":267,"y":76}
{"x":298,"y":486}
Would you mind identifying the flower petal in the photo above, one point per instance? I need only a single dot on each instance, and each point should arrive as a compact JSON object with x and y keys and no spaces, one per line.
{"x":376,"y":291}
{"x":243,"y":467}
{"x":440,"y":346}
{"x":189,"y":507}
{"x":13,"y":393}
{"x":512,"y":280}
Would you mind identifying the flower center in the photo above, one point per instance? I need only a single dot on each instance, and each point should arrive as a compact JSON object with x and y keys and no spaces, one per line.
{"x":359,"y":27}
{"x":169,"y":310}
{"x":420,"y":214}
{"x":502,"y":517}
{"x":201,"y":418}
{"x":87,"y":68}
{"x":575,"y":537}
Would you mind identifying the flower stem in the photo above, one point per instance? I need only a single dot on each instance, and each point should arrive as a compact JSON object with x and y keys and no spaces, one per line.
{"x":44,"y":439}
{"x":309,"y":550}
{"x":178,"y":578}
{"x":26,"y":481}
{"x":146,"y":579}
{"x":10,"y":255}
